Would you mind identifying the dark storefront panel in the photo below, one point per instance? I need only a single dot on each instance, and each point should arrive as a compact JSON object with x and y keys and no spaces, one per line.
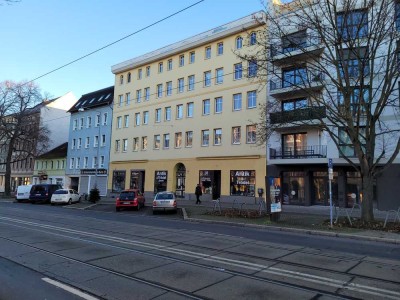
{"x":243,"y":183}
{"x":210,"y":181}
{"x":137,"y":180}
{"x":118,"y":182}
{"x":293,"y":188}
{"x":160,"y":181}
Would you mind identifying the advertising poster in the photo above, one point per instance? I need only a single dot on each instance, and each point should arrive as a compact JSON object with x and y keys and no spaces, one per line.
{"x":274,"y":185}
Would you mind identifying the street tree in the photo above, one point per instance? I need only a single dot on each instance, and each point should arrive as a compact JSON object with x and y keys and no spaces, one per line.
{"x":344,"y":57}
{"x":22,"y":134}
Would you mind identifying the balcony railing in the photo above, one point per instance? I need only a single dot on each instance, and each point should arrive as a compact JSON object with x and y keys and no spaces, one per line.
{"x":312,"y":79}
{"x":293,"y":44}
{"x":317,"y":151}
{"x":303,"y":114}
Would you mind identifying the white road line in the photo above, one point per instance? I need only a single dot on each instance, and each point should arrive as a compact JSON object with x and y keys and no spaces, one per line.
{"x":341,"y":284}
{"x":69,"y":289}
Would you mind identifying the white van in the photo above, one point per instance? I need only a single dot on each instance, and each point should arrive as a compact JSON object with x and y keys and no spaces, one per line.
{"x":23,"y":192}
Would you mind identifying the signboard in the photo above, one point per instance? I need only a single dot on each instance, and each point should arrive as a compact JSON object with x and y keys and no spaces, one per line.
{"x":93,"y":171}
{"x":160,"y":181}
{"x":274,"y":186}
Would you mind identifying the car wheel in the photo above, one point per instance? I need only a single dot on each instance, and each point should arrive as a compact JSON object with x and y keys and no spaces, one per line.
{"x":69,"y":201}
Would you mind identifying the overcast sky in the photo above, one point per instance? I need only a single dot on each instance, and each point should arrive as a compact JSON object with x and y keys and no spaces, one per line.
{"x":38,"y":36}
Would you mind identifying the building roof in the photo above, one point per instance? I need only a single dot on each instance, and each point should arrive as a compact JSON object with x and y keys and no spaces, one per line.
{"x":59,"y":151}
{"x":219,"y":32}
{"x":94,"y":99}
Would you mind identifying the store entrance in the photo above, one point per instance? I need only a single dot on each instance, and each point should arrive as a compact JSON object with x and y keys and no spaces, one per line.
{"x":180,"y":180}
{"x":320,"y":188}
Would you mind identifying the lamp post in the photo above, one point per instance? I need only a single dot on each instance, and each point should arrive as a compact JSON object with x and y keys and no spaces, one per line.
{"x":98,"y":141}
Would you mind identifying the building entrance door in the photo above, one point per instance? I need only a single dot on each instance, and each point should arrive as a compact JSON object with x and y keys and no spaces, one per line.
{"x":180,"y":180}
{"x":320,"y":188}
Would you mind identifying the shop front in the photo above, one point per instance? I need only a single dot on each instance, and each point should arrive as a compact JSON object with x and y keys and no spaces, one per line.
{"x":210,"y":182}
{"x":160,"y":181}
{"x":243,"y":183}
{"x":118,"y":181}
{"x":137,"y":180}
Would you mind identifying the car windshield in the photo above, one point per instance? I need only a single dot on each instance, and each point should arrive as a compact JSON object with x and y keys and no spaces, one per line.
{"x":164,"y":196}
{"x":127,"y":195}
{"x":61,"y":192}
{"x":38,"y":189}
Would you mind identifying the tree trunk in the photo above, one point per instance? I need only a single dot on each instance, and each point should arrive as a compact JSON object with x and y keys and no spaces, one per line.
{"x":7,"y":175}
{"x":367,"y":208}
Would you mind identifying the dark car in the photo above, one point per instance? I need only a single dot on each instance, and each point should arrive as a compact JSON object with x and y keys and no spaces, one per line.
{"x":43,"y":192}
{"x":130,"y":198}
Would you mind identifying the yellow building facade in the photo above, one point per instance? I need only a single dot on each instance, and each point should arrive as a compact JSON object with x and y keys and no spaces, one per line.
{"x":185,"y":115}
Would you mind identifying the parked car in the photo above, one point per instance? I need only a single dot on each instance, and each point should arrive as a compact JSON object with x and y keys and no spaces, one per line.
{"x":23,"y":192}
{"x":43,"y":192}
{"x":65,"y":196}
{"x":164,"y":201}
{"x":132,"y":198}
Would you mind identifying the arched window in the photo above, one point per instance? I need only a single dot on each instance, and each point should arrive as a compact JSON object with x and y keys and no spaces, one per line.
{"x":121,"y":79}
{"x":239,"y":42}
{"x":129,"y":77}
{"x":253,"y":38}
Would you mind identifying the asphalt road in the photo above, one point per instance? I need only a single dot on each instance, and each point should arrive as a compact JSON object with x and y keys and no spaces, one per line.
{"x":67,"y":253}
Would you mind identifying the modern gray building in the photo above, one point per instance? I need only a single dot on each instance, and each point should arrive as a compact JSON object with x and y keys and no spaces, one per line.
{"x":89,"y":141}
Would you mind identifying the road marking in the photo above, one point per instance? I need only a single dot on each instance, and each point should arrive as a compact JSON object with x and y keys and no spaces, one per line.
{"x":69,"y":289}
{"x":341,"y":284}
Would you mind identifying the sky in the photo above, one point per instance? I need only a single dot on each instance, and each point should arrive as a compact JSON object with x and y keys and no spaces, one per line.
{"x":41,"y":35}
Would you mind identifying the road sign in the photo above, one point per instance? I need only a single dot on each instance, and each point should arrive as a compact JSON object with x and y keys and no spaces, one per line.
{"x":330,"y":163}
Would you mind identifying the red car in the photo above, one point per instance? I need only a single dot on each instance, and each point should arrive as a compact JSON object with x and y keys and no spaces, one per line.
{"x":130,"y":198}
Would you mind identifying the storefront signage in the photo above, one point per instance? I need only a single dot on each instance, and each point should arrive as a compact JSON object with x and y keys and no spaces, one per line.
{"x":93,"y":171}
{"x":243,"y":182}
{"x":161,"y":176}
{"x":274,"y":185}
{"x":160,"y":181}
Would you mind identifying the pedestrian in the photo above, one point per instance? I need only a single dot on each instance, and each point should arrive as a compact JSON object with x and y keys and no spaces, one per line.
{"x":198,"y":193}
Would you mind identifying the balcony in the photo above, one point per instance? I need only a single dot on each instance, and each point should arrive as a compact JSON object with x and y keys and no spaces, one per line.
{"x":303,"y":114}
{"x":296,"y":49}
{"x":300,"y":87}
{"x":317,"y":151}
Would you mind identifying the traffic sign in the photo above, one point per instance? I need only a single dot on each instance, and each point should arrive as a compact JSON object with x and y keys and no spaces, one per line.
{"x":330,"y":163}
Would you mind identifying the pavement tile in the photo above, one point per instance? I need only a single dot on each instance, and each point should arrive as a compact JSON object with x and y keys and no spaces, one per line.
{"x":60,"y":244}
{"x":259,"y":251}
{"x":39,"y":260}
{"x":178,"y":237}
{"x":91,"y":252}
{"x":9,"y":249}
{"x":378,"y":270}
{"x":185,"y":252}
{"x":213,"y":243}
{"x":279,"y":246}
{"x":372,"y":289}
{"x":171,"y":296}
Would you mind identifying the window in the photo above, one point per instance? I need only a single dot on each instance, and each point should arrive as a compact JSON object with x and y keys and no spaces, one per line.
{"x":178,"y":139}
{"x":136,"y":144}
{"x":138,"y":96}
{"x":243,"y":183}
{"x":217,"y":136}
{"x":87,"y":142}
{"x":79,"y":143}
{"x":166,"y":141}
{"x":252,"y":68}
{"x":169,"y":65}
{"x":117,"y":145}
{"x":188,"y":138}
{"x":147,"y":94}
{"x":160,"y":67}
{"x":191,"y":83}
{"x":78,"y":163}
{"x":159,"y":90}
{"x":207,"y":78}
{"x":295,"y":76}
{"x":179,"y":111}
{"x":157,"y":141}
{"x":237,"y":101}
{"x":169,"y":88}
{"x":253,"y":38}
{"x":126,"y":121}
{"x":218,"y":105}
{"x":105,"y":118}
{"x":81,"y":121}
{"x":158,"y":115}
{"x":181,"y":85}
{"x":219,"y":76}
{"x":144,"y":142}
{"x":88,"y":122}
{"x":75,"y":124}
{"x":191,"y":57}
{"x":181,"y":60}
{"x":119,"y":122}
{"x":294,"y":142}
{"x":354,"y":63}
{"x":352,"y":25}
{"x":121,"y":79}
{"x":238,"y":70}
{"x":251,"y":99}
{"x":293,"y":104}
{"x":72,"y":163}
{"x":208,"y":52}
{"x":85,"y":162}
{"x":239,"y":42}
{"x":145,"y":117}
{"x":139,"y":76}
{"x":120,"y":100}
{"x":102,"y":158}
{"x":206,"y":107}
{"x":236,"y":135}
{"x":220,"y":48}
{"x":148,"y":71}
{"x":103,"y":140}
{"x":168,"y":113}
{"x":189,"y":109}
{"x":128,"y":98}
{"x":97,"y":120}
{"x":129,"y":77}
{"x":251,"y":134}
{"x":137,"y":119}
{"x":94,"y":162}
{"x":124,"y":145}
{"x":345,"y":144}
{"x":73,"y":144}
{"x":96,"y":141}
{"x":358,"y":100}
{"x":205,"y":137}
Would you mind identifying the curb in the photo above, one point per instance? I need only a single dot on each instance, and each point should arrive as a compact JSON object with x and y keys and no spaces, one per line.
{"x":295,"y":230}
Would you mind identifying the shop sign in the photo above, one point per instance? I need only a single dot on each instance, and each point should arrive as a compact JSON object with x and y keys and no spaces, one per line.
{"x":161,"y":176}
{"x":93,"y":171}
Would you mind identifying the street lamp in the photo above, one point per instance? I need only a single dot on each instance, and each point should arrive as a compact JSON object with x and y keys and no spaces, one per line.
{"x":98,"y":141}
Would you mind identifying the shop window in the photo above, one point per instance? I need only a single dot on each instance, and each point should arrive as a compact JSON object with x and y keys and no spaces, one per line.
{"x":243,"y":183}
{"x":160,"y":181}
{"x":293,"y":186}
{"x":118,"y":181}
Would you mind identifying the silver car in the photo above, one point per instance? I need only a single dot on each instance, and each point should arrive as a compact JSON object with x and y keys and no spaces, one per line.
{"x":164,"y":201}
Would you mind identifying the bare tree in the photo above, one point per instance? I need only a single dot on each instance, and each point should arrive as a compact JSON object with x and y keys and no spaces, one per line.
{"x":343,"y":57}
{"x":22,"y":135}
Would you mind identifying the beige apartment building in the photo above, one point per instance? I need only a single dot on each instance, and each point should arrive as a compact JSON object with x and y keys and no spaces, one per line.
{"x":185,"y":115}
